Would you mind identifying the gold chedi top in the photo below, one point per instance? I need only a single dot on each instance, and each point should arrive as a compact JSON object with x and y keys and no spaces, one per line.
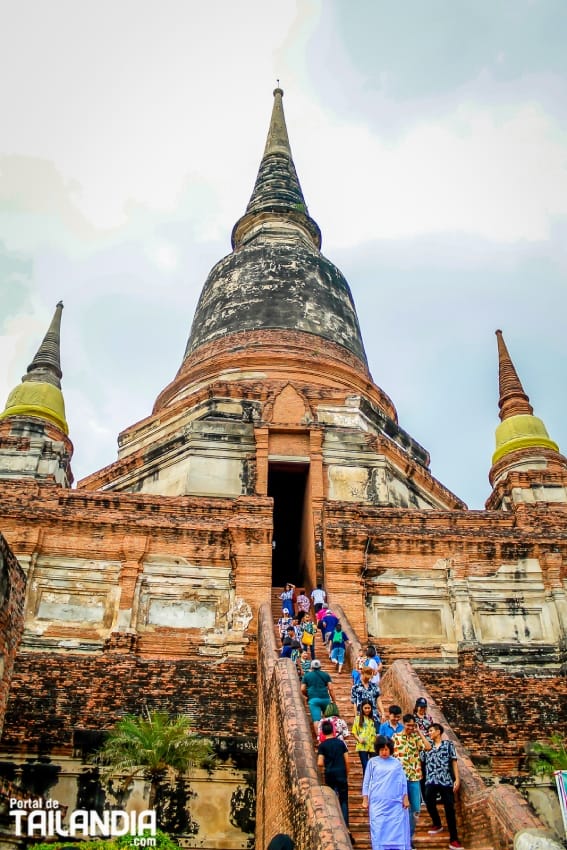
{"x":519,"y":428}
{"x":39,"y":395}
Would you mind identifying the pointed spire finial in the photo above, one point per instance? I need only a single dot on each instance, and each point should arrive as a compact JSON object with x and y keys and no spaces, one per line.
{"x":46,"y":365}
{"x":277,"y":194}
{"x":512,"y":401}
{"x":278,"y":139}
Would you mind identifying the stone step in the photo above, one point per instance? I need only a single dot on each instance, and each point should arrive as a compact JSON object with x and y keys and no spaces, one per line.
{"x":358,"y":816}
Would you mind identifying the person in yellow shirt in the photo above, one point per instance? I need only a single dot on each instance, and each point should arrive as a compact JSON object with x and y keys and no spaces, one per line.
{"x":364,"y":732}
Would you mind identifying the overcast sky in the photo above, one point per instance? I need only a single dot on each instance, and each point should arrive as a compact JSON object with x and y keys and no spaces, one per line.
{"x":430,"y":139}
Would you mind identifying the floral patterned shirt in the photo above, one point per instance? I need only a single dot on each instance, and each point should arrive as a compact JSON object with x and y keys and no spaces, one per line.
{"x":438,"y":764}
{"x":287,"y":594}
{"x":283,"y":623}
{"x":366,"y":731}
{"x":359,"y":693}
{"x":424,"y":722}
{"x":407,"y":749}
{"x":339,"y":725}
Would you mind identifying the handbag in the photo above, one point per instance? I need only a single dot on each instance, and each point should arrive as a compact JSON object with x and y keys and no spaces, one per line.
{"x":307,"y":638}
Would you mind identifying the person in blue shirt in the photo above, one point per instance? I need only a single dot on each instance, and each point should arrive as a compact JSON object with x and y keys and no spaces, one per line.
{"x":393,"y":724}
{"x":290,"y":646}
{"x":328,"y":622}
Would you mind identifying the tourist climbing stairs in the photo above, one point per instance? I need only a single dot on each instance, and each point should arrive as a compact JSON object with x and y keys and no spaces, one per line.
{"x":358,"y":816}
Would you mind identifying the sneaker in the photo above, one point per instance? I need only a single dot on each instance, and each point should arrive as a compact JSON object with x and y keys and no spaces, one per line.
{"x":456,"y":845}
{"x":435,"y":830}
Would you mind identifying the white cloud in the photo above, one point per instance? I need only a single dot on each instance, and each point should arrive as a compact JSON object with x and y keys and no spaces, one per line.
{"x":134,"y":131}
{"x":20,"y":338}
{"x":163,"y":254}
{"x":134,"y":97}
{"x":495,"y":174}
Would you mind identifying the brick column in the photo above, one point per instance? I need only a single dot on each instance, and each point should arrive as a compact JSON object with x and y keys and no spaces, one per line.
{"x":459,"y":591}
{"x":551,"y":567}
{"x":463,"y":619}
{"x":262,"y":437}
{"x":134,"y":548}
{"x":317,"y":489}
{"x":251,"y":558}
{"x":316,"y":465}
{"x":345,"y":557}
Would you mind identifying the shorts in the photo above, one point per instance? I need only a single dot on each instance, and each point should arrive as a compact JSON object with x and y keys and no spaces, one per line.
{"x":338,"y":654}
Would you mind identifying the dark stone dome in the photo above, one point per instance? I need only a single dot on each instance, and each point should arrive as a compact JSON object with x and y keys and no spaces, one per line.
{"x":276,"y":278}
{"x":271,"y":282}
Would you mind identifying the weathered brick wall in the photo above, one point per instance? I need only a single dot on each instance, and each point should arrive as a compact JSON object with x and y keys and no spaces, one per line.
{"x":488,"y":816}
{"x":62,"y":698}
{"x":54,"y":694}
{"x":290,"y":797}
{"x":285,"y":356}
{"x":12,"y":595}
{"x":391,"y":538}
{"x":495,"y":713}
{"x":480,"y":575}
{"x":42,"y":522}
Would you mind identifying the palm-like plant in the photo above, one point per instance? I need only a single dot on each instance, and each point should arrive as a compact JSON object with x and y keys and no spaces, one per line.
{"x":549,"y":756}
{"x":152,"y":746}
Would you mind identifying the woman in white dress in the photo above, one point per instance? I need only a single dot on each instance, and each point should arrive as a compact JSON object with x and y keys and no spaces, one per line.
{"x":385,"y":796}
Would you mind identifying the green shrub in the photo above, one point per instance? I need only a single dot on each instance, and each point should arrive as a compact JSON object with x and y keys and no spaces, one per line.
{"x":547,"y":757}
{"x":123,"y":842}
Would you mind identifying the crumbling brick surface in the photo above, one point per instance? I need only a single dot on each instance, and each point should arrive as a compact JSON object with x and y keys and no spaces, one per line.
{"x":42,"y":521}
{"x":54,"y":694}
{"x":495,"y":714}
{"x":488,"y":816}
{"x":12,"y":595}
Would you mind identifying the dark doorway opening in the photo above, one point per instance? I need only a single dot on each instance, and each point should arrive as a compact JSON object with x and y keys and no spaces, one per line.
{"x":286,"y":485}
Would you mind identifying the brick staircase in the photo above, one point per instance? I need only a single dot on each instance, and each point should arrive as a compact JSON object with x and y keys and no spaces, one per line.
{"x":358,"y":816}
